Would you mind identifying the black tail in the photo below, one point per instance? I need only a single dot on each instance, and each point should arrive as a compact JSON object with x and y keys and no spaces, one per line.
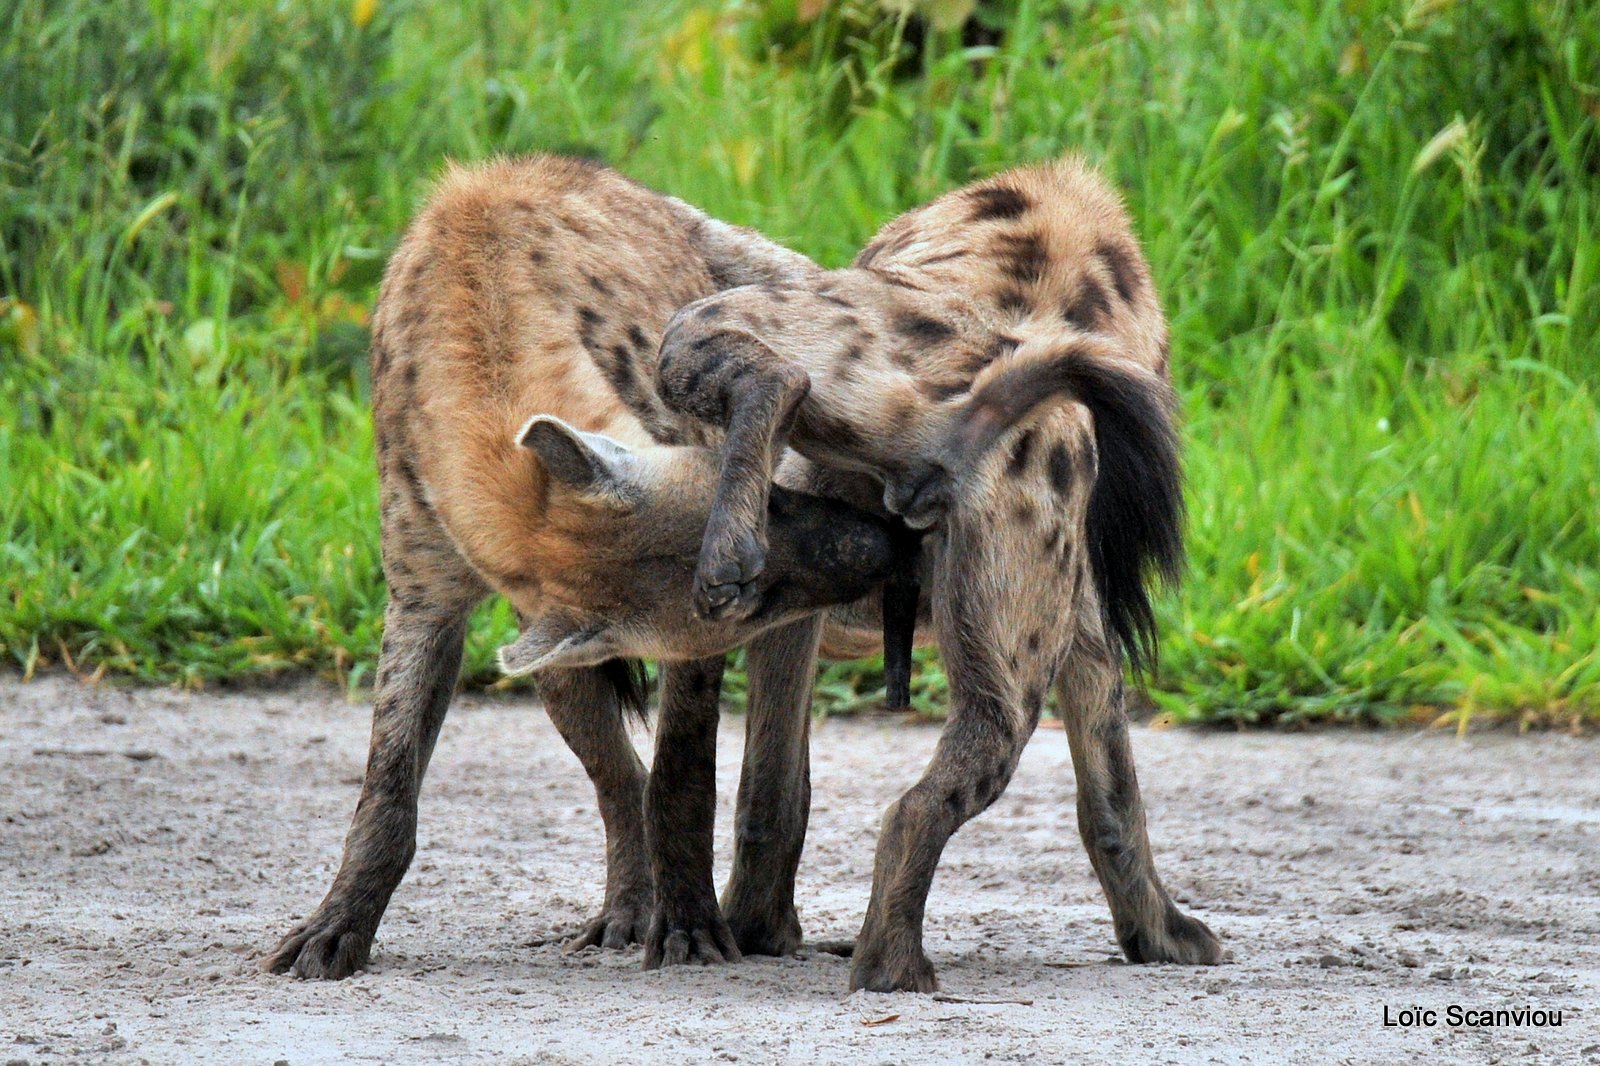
{"x":1135,"y":519}
{"x":630,"y":682}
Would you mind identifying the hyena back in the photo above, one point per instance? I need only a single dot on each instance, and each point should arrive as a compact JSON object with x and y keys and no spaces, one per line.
{"x":924,"y":367}
{"x":540,"y":288}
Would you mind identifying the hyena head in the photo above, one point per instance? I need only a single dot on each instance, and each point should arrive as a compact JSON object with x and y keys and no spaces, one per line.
{"x":620,"y":537}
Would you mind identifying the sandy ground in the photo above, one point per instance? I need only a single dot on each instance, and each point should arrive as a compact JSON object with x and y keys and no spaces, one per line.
{"x":154,"y":843}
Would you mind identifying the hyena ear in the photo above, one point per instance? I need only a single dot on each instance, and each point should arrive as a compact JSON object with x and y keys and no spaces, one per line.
{"x":585,"y":461}
{"x":550,"y":641}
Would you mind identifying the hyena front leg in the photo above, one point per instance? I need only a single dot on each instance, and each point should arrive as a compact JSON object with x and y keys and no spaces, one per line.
{"x":418,"y":663}
{"x":774,"y":790}
{"x":729,"y":378}
{"x":1111,"y":816}
{"x":587,"y":712}
{"x":680,"y":806}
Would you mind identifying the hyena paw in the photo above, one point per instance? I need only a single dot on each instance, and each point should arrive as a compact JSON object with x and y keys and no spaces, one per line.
{"x":725,"y":580}
{"x":1179,"y":939}
{"x":766,"y":934}
{"x":325,"y":947}
{"x":704,"y":938}
{"x":920,"y":497}
{"x":621,"y":922}
{"x":886,"y":968}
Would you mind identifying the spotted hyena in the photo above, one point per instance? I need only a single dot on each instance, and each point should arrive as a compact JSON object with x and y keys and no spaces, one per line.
{"x":522,"y":450}
{"x":546,"y":286}
{"x":925,"y":369}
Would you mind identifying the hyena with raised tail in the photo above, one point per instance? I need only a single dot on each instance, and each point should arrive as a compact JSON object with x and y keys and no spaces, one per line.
{"x":925,"y":370}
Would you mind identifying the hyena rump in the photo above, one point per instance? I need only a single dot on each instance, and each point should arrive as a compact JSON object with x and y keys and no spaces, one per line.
{"x":540,"y":288}
{"x":923,"y":369}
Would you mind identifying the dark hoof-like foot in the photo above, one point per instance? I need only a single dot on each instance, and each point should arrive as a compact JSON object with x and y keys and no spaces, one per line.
{"x":1180,"y":939}
{"x":704,"y":939}
{"x":619,"y":924}
{"x":920,"y":498}
{"x":776,"y":935}
{"x":886,"y":969}
{"x":322,"y":948}
{"x":725,"y":580}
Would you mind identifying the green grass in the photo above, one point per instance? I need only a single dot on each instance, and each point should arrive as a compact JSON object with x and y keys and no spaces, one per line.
{"x":1376,"y":228}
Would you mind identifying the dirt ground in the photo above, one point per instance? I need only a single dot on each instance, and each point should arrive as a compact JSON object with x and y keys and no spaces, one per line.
{"x":154,"y":843}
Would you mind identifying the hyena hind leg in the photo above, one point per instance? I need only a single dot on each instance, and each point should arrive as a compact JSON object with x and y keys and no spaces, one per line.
{"x":1111,"y":817}
{"x":418,"y":664}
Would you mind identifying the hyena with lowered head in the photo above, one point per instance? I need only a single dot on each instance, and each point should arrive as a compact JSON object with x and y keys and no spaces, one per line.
{"x":923,"y":368}
{"x":540,"y":288}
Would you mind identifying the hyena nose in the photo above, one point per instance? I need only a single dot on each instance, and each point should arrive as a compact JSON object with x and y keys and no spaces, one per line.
{"x":920,"y":497}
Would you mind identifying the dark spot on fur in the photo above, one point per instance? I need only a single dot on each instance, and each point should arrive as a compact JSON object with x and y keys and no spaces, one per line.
{"x":1088,"y":307}
{"x":846,"y":322}
{"x":577,"y":226}
{"x":837,"y":301}
{"x":1053,"y":545}
{"x":636,"y":337}
{"x":943,"y":258}
{"x":408,"y":474}
{"x":1124,"y":273}
{"x":1033,"y":642}
{"x":1013,"y":301}
{"x":854,"y":353}
{"x":952,"y":803}
{"x":1060,"y":468}
{"x":942,"y":391}
{"x":1024,"y":512}
{"x":597,"y":284}
{"x":1022,"y":257}
{"x":620,"y":371}
{"x":709,"y":311}
{"x":922,"y":328}
{"x":986,"y":791}
{"x":536,"y":255}
{"x":589,"y":320}
{"x":1020,"y":452}
{"x":996,"y":202}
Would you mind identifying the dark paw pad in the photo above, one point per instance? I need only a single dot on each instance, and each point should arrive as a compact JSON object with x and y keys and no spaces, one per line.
{"x":775,"y":935}
{"x":677,"y":942}
{"x":889,"y":970}
{"x":725,"y":580}
{"x":1180,"y":939}
{"x":920,"y":498}
{"x":614,"y":928}
{"x":321,"y":949}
